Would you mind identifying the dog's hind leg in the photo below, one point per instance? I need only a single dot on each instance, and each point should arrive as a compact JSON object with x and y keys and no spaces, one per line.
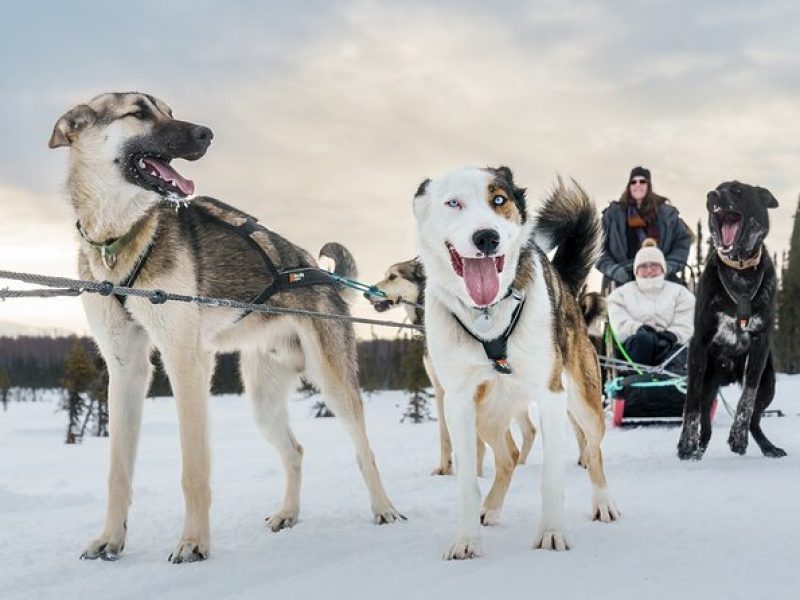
{"x":189,"y":368}
{"x":587,"y":416}
{"x":267,"y":384}
{"x":581,"y":440}
{"x":766,"y":391}
{"x":528,"y":430}
{"x":498,"y":436}
{"x":126,"y":349}
{"x":331,"y":360}
{"x":708,"y":394}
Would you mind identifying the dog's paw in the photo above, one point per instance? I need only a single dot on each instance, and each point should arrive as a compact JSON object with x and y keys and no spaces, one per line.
{"x":490,"y":516}
{"x":551,"y":539}
{"x":443,"y":469}
{"x":189,"y":550}
{"x":387,"y":514}
{"x":605,"y":511}
{"x":106,"y":547}
{"x":464,"y":548}
{"x":773,"y":452}
{"x":283,"y":519}
{"x":737,"y":440}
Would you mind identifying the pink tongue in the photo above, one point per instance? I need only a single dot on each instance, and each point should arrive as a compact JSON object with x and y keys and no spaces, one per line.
{"x":483,"y":282}
{"x":170,"y":175}
{"x":729,"y":233}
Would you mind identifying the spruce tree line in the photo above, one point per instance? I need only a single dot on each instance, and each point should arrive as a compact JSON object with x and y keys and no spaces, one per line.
{"x":787,"y":338}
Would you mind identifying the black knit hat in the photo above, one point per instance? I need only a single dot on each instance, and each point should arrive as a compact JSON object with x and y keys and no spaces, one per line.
{"x":640,"y":172}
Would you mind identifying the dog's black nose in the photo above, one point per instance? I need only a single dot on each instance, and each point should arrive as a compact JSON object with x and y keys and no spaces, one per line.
{"x":486,"y":240}
{"x":712,"y":195}
{"x":202,"y":134}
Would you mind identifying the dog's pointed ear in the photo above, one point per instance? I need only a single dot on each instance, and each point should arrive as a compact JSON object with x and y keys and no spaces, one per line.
{"x":419,"y":270}
{"x":767,"y":198}
{"x":505,"y":173}
{"x":70,"y":124}
{"x":422,"y":189}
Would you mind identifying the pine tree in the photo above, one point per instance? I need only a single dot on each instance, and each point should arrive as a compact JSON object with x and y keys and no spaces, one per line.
{"x":79,"y":377}
{"x":5,"y":385}
{"x":415,"y":380}
{"x":787,"y":342}
{"x":99,"y":394}
{"x":699,"y":249}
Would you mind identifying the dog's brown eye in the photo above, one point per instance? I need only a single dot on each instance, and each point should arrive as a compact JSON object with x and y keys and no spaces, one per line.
{"x":392,"y":277}
{"x":139,"y":114}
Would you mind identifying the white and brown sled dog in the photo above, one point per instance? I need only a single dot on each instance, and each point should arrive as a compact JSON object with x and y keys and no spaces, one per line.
{"x":123,"y":189}
{"x":504,"y":329}
{"x":404,"y":285}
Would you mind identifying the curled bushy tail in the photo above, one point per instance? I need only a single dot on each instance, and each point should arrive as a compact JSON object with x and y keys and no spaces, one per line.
{"x":568,"y":221}
{"x":344,"y":265}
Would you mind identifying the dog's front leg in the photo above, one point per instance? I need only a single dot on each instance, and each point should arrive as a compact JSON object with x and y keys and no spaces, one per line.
{"x":689,"y":447}
{"x":459,"y":406}
{"x":553,"y":411}
{"x":445,"y":445}
{"x":189,"y":371}
{"x":126,"y":349}
{"x":756,"y":361}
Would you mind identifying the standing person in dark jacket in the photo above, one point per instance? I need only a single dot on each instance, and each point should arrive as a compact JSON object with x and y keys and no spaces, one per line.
{"x":639,"y":214}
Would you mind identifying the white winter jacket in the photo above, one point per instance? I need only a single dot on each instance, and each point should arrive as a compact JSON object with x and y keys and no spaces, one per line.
{"x":664,"y":305}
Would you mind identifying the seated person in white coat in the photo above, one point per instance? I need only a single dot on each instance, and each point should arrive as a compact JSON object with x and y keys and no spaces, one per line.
{"x":651,"y":317}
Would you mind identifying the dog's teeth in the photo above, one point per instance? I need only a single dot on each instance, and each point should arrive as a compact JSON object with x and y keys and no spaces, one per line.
{"x":141,"y":164}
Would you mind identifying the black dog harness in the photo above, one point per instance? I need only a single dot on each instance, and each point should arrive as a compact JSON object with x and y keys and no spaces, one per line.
{"x":497,"y":349}
{"x":744,"y":302}
{"x":289,"y":279}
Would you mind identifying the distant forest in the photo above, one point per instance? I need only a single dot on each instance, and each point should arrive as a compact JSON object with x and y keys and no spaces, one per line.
{"x":38,"y":363}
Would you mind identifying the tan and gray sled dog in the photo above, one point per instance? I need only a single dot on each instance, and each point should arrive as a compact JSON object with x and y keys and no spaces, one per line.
{"x":404,"y":284}
{"x":504,"y":329}
{"x":120,"y":184}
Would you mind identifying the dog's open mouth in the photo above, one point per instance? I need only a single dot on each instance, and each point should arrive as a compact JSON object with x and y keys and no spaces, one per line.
{"x":481,"y":275}
{"x":157,"y":173}
{"x":728,"y":222}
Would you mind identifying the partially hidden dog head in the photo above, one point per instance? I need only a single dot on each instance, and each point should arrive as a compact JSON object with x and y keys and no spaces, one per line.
{"x":402,"y":281}
{"x":472,"y":224}
{"x":738,"y":219}
{"x":130,"y":139}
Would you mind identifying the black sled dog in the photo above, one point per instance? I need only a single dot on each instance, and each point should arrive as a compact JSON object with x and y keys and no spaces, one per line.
{"x":733,"y":322}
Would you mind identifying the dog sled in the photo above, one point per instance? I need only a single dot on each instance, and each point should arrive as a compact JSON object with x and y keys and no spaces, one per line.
{"x":637,"y":394}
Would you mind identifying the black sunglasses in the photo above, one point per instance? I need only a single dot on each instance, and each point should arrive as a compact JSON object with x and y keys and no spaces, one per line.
{"x":638,"y":181}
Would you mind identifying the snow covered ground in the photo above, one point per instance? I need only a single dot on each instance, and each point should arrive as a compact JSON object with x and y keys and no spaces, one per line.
{"x":727,"y":527}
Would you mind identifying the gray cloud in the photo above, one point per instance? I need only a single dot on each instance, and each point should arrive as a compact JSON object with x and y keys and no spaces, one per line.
{"x":327,"y":119}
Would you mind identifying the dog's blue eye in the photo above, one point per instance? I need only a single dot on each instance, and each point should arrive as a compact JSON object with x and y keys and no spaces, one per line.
{"x":498,"y":200}
{"x":453,"y":203}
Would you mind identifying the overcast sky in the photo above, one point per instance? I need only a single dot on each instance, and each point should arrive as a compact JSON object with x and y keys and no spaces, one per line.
{"x":327,"y":115}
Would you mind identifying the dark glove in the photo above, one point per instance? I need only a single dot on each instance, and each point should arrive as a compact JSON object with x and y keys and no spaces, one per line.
{"x":669,"y":337}
{"x":620,"y":275}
